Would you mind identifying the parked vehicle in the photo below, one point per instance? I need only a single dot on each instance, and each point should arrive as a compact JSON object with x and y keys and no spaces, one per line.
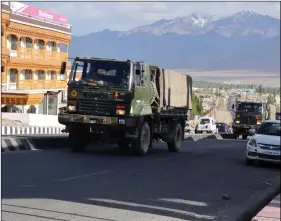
{"x":206,"y":125}
{"x":125,"y":102}
{"x":264,"y":145}
{"x":223,"y":128}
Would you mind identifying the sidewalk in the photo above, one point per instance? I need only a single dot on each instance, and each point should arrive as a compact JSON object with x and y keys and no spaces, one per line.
{"x":271,"y":212}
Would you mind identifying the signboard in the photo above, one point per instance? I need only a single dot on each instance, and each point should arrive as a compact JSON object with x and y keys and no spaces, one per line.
{"x":34,"y":12}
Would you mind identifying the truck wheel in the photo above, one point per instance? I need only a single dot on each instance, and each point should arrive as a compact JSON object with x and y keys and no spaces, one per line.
{"x":141,"y":145}
{"x":78,"y":141}
{"x":175,"y":144}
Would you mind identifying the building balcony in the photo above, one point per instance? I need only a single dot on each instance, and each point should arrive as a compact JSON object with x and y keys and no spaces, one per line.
{"x":37,"y":55}
{"x":41,"y":84}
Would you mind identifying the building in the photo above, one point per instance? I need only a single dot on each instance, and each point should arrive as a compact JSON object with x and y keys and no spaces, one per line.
{"x":34,"y":43}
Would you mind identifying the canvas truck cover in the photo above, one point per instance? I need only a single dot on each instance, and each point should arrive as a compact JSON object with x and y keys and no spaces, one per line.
{"x":175,"y":89}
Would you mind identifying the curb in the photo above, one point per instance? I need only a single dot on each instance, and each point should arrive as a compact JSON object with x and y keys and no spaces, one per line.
{"x":19,"y":130}
{"x":197,"y":137}
{"x":15,"y":144}
{"x":264,"y":199}
{"x":254,"y":204}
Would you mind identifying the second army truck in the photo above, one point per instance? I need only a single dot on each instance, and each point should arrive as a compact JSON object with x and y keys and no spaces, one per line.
{"x":125,"y":102}
{"x":250,"y":115}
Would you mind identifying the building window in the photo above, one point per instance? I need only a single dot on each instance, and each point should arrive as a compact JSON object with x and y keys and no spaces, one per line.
{"x":53,"y":46}
{"x":27,"y":75}
{"x":41,"y":44}
{"x":53,"y":75}
{"x":41,"y":75}
{"x":14,"y":42}
{"x":13,"y":75}
{"x":28,"y":42}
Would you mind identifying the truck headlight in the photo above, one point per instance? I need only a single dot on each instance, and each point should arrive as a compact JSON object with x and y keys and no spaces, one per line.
{"x":238,"y":121}
{"x":71,"y":107}
{"x":258,"y":122}
{"x":253,"y":143}
{"x":120,"y":112}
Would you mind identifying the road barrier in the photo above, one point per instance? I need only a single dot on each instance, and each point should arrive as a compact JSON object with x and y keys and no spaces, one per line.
{"x":17,"y":130}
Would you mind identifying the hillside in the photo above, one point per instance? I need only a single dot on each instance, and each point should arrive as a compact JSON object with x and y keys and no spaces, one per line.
{"x":245,"y":40}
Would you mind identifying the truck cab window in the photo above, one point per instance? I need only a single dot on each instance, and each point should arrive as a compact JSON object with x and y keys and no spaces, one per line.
{"x":140,"y":76}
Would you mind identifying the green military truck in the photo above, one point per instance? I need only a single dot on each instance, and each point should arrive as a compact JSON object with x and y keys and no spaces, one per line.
{"x":250,"y":115}
{"x":125,"y":102}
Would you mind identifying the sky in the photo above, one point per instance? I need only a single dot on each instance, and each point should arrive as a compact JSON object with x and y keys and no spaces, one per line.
{"x":89,"y":17}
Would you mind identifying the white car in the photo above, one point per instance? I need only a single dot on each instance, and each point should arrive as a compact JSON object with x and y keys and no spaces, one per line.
{"x":264,"y":145}
{"x":206,"y":125}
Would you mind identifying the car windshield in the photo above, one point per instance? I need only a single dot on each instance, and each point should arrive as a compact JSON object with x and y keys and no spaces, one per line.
{"x":204,"y":121}
{"x":249,"y":107}
{"x":269,"y":128}
{"x":220,"y":124}
{"x":101,"y":72}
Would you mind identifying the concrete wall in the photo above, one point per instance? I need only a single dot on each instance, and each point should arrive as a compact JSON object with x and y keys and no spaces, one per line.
{"x":33,"y":119}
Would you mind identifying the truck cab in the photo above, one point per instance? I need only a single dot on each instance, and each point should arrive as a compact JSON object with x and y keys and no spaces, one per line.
{"x":248,"y":115}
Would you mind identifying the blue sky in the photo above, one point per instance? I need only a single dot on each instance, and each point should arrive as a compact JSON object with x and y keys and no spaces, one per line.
{"x":89,"y":17}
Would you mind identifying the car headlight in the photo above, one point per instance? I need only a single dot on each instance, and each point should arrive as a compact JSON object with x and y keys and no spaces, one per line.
{"x":71,"y":107}
{"x":253,"y":142}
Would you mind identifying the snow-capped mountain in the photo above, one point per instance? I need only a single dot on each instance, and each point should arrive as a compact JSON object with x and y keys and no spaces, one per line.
{"x":191,"y":24}
{"x":244,"y":40}
{"x":241,"y":23}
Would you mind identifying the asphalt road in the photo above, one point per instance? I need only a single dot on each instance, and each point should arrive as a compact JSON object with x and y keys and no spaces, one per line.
{"x":106,"y":185}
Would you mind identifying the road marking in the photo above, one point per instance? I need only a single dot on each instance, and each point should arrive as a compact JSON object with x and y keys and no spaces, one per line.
{"x":195,"y":215}
{"x":84,"y":175}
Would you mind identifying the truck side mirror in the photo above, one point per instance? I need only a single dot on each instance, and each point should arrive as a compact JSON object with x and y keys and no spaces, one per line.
{"x":63,"y":68}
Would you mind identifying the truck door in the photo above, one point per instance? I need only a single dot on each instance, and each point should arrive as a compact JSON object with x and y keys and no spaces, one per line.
{"x":141,"y":101}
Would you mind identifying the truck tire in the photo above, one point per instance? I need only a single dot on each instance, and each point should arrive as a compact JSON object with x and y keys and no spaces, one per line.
{"x":175,"y":144}
{"x":141,"y":145}
{"x":78,"y":141}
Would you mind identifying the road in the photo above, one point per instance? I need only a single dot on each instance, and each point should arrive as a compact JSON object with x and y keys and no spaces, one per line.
{"x":106,"y":185}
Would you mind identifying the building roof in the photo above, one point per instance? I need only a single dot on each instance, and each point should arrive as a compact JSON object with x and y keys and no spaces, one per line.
{"x":29,"y":15}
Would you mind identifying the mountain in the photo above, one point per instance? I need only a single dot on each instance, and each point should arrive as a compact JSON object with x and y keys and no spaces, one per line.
{"x":245,"y":40}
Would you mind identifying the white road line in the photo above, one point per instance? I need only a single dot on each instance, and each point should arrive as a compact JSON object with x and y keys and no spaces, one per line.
{"x":84,"y":175}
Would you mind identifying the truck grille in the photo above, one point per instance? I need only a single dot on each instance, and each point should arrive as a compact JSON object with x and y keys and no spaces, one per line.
{"x":248,"y":120}
{"x":95,"y":108}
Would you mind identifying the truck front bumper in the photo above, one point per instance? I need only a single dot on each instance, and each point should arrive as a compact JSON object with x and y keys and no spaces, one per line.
{"x":93,"y":123}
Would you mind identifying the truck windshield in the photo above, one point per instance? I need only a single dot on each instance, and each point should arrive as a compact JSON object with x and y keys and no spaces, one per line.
{"x":101,"y":72}
{"x":249,"y":107}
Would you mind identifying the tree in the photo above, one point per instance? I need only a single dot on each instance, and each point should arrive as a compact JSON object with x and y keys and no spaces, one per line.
{"x":271,"y":99}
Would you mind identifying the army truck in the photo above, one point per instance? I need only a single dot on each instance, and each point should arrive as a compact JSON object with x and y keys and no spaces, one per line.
{"x":250,"y":115}
{"x":125,"y":102}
